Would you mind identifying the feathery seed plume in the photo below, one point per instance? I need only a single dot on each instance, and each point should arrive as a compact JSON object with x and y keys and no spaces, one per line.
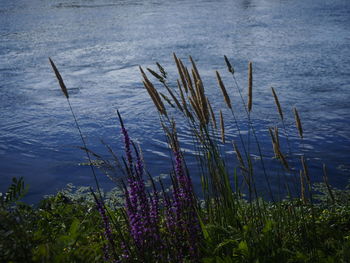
{"x":279,"y":108}
{"x":298,"y":122}
{"x":223,"y":89}
{"x":59,"y":78}
{"x":229,"y":66}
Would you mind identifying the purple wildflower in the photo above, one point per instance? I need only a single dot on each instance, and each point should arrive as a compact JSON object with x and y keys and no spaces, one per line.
{"x":186,"y":221}
{"x":181,"y":238}
{"x":142,"y":211}
{"x":125,"y":252}
{"x":107,"y":230}
{"x":106,"y":255}
{"x":127,"y":144}
{"x":139,"y":165}
{"x":128,"y":153}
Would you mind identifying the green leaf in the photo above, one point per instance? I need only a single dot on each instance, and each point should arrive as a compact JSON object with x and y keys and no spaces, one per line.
{"x":243,"y":247}
{"x":204,"y":229}
{"x":268,"y":226}
{"x":73,"y":230}
{"x":207,"y":260}
{"x":225,"y":243}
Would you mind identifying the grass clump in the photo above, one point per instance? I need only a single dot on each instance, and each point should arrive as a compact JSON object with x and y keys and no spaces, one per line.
{"x":67,"y":227}
{"x":229,"y":221}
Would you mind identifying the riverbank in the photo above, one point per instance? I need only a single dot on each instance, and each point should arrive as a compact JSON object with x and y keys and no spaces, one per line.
{"x":68,"y":227}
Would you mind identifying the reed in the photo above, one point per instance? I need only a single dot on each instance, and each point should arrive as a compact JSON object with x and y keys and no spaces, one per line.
{"x":194,"y":66}
{"x":183,"y":100}
{"x":307,"y":177}
{"x":298,"y":122}
{"x":166,"y":99}
{"x":325,"y":179}
{"x":276,"y":147}
{"x":250,"y":86}
{"x":59,"y":78}
{"x":223,"y":90}
{"x":202,"y":101}
{"x":162,"y":71}
{"x":305,"y":169}
{"x":157,"y":102}
{"x":231,"y":70}
{"x":156,"y":225}
{"x":280,"y":112}
{"x":156,"y":75}
{"x":180,"y":71}
{"x":302,"y":187}
{"x":65,"y":92}
{"x":229,"y":66}
{"x":283,"y":159}
{"x":184,"y":71}
{"x":198,"y":111}
{"x":212,"y":114}
{"x":274,"y":143}
{"x":162,"y":80}
{"x":153,"y":94}
{"x":279,"y":108}
{"x":188,"y":79}
{"x":277,"y":136}
{"x":239,"y":156}
{"x":222,"y":126}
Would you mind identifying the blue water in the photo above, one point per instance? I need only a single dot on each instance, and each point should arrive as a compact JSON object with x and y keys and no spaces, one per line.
{"x":300,"y":47}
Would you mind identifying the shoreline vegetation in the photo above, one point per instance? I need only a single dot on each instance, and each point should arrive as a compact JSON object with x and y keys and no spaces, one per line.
{"x":148,"y":219}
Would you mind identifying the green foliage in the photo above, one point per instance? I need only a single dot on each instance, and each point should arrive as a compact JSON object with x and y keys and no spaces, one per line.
{"x":287,"y":233}
{"x":67,"y":228}
{"x":340,"y":196}
{"x":59,"y":229}
{"x":14,"y":193}
{"x":82,"y":194}
{"x":67,"y":231}
{"x":14,"y":221}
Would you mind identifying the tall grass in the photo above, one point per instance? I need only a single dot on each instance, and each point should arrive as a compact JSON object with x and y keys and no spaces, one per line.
{"x":65,"y":92}
{"x":224,"y":225}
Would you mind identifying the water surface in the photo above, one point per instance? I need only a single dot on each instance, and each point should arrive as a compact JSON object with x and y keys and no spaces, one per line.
{"x":300,"y":47}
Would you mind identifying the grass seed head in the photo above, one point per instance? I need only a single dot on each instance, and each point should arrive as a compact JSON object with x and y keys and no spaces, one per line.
{"x":223,"y":90}
{"x":250,"y":86}
{"x":229,"y":66}
{"x":298,"y":123}
{"x":59,"y":78}
{"x":279,"y":108}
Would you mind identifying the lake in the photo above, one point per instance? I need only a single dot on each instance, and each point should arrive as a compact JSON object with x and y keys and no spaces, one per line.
{"x":300,"y":47}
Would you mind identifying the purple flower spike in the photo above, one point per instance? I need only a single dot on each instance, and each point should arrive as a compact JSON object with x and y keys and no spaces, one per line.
{"x":127,"y":144}
{"x":139,"y":165}
{"x":128,"y":153}
{"x":142,"y":209}
{"x":107,"y":230}
{"x":184,"y":213}
{"x":174,"y":239}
